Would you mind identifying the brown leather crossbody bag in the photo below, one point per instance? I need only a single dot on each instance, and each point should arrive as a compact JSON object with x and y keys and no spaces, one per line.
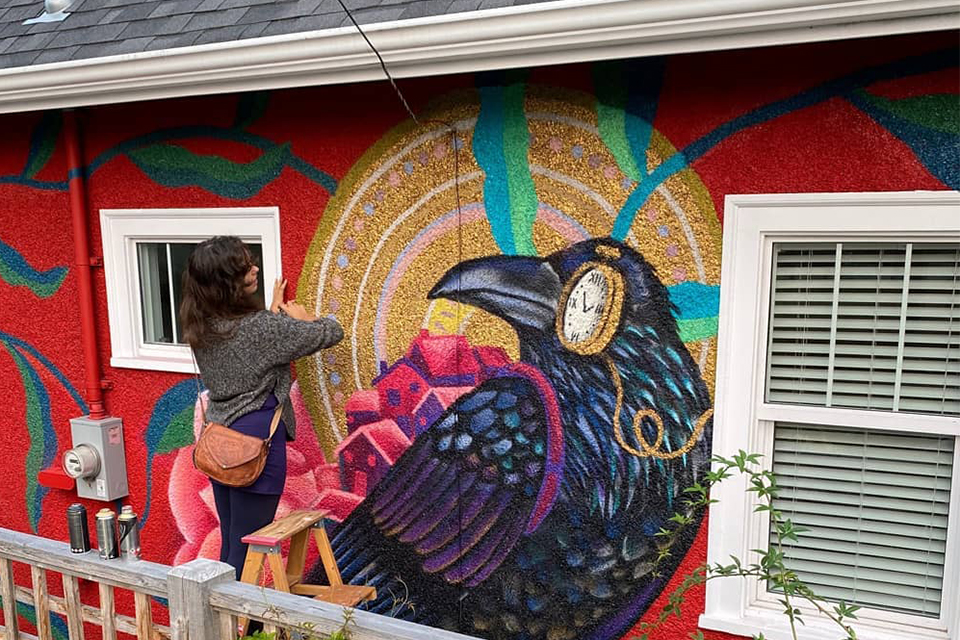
{"x":230,"y":457}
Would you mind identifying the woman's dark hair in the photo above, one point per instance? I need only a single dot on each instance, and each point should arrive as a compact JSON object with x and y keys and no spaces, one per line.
{"x":213,"y":289}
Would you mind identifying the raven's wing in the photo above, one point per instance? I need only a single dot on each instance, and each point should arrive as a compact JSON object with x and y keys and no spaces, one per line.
{"x":453,"y":506}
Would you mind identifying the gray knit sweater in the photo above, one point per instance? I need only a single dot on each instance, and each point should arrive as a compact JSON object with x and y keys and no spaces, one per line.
{"x":243,"y":369}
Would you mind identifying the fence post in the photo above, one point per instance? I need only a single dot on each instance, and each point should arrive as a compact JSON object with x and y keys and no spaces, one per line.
{"x":191,"y":616}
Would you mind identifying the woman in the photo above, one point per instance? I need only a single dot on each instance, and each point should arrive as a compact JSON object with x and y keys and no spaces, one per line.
{"x":244,"y":353}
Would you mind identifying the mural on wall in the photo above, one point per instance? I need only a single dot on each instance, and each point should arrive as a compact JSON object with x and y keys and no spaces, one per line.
{"x":546,"y":411}
{"x":525,"y":391}
{"x":526,"y":385}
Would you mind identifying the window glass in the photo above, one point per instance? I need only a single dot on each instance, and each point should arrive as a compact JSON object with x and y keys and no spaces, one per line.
{"x":866,"y":326}
{"x":875,"y":506}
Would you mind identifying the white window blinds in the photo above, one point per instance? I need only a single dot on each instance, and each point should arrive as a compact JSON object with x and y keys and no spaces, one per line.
{"x":875,"y":504}
{"x":866,"y":325}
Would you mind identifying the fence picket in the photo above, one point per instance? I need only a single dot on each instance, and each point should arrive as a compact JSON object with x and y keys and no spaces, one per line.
{"x":108,"y":612}
{"x":204,"y":599}
{"x":144,"y":616}
{"x":228,"y":626}
{"x":91,"y":614}
{"x":11,"y":629}
{"x":73,"y":606}
{"x":41,"y":605}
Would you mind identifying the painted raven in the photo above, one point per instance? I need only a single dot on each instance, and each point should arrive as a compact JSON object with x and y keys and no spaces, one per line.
{"x":528,"y":511}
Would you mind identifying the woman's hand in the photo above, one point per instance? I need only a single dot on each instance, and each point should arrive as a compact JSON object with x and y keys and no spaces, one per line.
{"x":279,"y":288}
{"x":297,"y":312}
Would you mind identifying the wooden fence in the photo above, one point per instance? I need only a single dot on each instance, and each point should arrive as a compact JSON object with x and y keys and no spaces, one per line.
{"x":204,"y":601}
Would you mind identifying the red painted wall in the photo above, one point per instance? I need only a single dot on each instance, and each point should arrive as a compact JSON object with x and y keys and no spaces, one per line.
{"x":790,"y":128}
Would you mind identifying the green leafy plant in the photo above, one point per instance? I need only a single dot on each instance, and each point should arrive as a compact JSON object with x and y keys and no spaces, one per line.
{"x":770,"y":569}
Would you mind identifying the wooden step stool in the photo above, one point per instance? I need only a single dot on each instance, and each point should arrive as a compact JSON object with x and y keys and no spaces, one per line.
{"x":295,"y":526}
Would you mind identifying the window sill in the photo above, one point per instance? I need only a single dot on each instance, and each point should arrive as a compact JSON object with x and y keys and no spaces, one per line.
{"x":175,"y":365}
{"x":775,"y":626}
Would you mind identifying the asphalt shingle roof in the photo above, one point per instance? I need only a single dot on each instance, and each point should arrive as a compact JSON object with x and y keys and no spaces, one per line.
{"x":98,"y":28}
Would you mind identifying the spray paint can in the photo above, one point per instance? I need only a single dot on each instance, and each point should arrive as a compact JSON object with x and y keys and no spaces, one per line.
{"x":107,"y":533}
{"x":78,"y":529}
{"x":129,"y":534}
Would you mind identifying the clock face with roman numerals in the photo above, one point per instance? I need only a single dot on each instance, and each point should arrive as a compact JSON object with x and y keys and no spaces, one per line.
{"x":590,"y":308}
{"x":586,"y":306}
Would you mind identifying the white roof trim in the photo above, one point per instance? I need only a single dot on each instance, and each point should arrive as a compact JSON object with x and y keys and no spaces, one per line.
{"x":530,"y":35}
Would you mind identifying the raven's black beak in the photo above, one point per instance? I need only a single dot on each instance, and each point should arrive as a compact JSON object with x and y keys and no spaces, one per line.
{"x":523,"y":291}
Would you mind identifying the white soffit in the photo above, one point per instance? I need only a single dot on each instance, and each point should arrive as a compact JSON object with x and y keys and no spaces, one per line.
{"x":529,"y":35}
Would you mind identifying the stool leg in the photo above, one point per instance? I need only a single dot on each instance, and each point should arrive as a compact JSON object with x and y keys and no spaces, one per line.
{"x":252,"y":565}
{"x":326,"y":555}
{"x":297,"y":558}
{"x":279,"y":572}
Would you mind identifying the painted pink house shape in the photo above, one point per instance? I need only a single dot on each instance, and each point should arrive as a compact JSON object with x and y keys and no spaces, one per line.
{"x":363,"y":407}
{"x":446,"y":360}
{"x":400,"y":389}
{"x":367,"y":454}
{"x":491,"y":360}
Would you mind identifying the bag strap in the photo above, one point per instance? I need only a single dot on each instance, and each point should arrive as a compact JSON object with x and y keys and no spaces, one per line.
{"x":275,"y":422}
{"x":196,"y":376}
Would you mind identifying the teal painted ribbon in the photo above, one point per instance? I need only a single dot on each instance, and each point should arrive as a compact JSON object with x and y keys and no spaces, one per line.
{"x":501,"y":144}
{"x":696,"y":308}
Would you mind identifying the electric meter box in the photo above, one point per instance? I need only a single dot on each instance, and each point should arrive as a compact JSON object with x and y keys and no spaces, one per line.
{"x":97,"y":461}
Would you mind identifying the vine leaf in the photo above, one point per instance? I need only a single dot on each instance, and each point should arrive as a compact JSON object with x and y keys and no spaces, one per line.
{"x":42,"y":143}
{"x":16,"y":271}
{"x":938,"y":111}
{"x":174,"y":166}
{"x":43,"y":438}
{"x":170,"y":427}
{"x":250,"y":108}
{"x":927,"y":124}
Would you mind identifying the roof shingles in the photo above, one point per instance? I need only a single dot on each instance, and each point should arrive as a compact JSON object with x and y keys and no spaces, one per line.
{"x":97,"y":28}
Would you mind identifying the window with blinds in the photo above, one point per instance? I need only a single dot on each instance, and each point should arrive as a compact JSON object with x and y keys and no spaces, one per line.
{"x":866,"y":326}
{"x":875,"y":504}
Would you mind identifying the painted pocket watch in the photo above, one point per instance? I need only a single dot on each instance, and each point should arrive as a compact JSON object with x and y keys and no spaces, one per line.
{"x":590,"y":308}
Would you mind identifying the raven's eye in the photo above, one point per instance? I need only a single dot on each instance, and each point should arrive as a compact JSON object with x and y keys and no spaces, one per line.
{"x":590,"y":308}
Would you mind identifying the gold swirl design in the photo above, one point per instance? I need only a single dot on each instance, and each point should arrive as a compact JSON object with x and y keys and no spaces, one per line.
{"x":649,"y":450}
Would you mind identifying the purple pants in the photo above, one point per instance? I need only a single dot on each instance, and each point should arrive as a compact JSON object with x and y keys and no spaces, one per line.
{"x":243,"y":510}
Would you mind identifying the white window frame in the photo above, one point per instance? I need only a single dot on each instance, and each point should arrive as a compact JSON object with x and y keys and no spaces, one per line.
{"x":122,"y":229}
{"x":743,"y":420}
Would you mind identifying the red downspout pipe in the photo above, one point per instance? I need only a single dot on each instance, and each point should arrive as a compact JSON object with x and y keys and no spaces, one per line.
{"x":81,"y":245}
